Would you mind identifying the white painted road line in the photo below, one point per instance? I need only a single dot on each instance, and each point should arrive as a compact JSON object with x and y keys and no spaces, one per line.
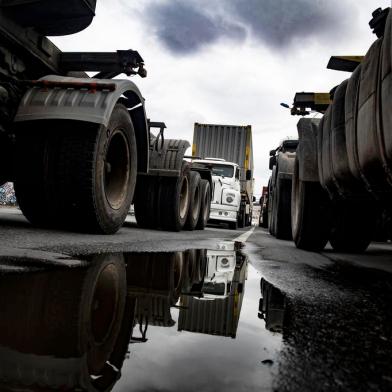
{"x":244,"y":236}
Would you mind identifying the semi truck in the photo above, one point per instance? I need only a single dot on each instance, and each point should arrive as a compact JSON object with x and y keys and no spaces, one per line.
{"x":279,"y":189}
{"x":79,"y":149}
{"x":342,"y":173}
{"x":228,"y":147}
{"x":226,"y":198}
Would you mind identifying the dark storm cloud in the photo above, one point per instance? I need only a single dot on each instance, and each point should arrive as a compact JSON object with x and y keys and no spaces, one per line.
{"x":280,"y":22}
{"x":184,"y":26}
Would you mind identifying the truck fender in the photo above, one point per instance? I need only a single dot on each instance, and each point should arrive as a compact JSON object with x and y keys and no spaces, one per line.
{"x":285,"y":165}
{"x":166,"y":158}
{"x":85,"y":99}
{"x":307,"y":149}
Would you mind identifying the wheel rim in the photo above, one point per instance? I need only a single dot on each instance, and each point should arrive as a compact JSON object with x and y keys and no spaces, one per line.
{"x":184,"y":196}
{"x":104,"y":304}
{"x":117,"y":169}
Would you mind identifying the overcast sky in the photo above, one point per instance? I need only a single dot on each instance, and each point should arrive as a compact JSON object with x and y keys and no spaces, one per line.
{"x":231,"y":61}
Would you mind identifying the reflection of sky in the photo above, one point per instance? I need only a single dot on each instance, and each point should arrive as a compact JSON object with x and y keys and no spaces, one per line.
{"x":184,"y":361}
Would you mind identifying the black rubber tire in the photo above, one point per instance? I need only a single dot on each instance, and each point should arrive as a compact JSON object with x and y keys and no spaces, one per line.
{"x":74,"y":313}
{"x":248,"y":220}
{"x":194,"y":201}
{"x":205,"y":206}
{"x":86,"y":157}
{"x":264,"y":218}
{"x":241,"y":218}
{"x":146,"y":202}
{"x":352,"y":227}
{"x":310,"y":213}
{"x":282,"y":209}
{"x":233,"y":225}
{"x":34,"y":174}
{"x":174,"y":195}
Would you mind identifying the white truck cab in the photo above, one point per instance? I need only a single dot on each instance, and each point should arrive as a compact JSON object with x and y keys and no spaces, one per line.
{"x":226,"y":198}
{"x":220,"y":272}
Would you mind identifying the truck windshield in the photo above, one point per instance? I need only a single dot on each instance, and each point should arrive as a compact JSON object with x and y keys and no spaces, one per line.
{"x":222,"y":170}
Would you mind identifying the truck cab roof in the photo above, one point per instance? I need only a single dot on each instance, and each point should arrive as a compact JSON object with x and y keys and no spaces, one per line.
{"x":215,"y":161}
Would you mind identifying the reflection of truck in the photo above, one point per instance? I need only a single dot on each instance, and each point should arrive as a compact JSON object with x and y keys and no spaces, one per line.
{"x":217,"y":310}
{"x":272,"y":306}
{"x":342,"y":176}
{"x":233,"y":144}
{"x":76,"y":146}
{"x":279,"y":190}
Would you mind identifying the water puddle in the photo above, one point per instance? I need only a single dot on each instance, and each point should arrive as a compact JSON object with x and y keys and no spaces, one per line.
{"x":173,"y":321}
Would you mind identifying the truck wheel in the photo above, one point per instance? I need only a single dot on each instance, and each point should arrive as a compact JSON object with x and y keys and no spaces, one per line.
{"x":194,"y":201}
{"x":241,"y":218}
{"x":205,"y":206}
{"x":352,"y":227}
{"x":310,"y":207}
{"x":264,"y":222}
{"x":282,"y":209}
{"x":97,"y":173}
{"x":233,"y":225}
{"x":74,"y":313}
{"x":174,"y":195}
{"x":32,"y":177}
{"x":247,"y":220}
{"x":145,"y":202}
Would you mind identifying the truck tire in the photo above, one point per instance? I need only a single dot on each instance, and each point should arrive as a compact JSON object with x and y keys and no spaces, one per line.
{"x":248,"y":220}
{"x":174,"y":195}
{"x":282,"y":209}
{"x":96,"y":174}
{"x":205,"y":206}
{"x":145,"y":202}
{"x":310,"y":207}
{"x":352,"y":227}
{"x":264,"y":218}
{"x":32,"y":177}
{"x":241,"y":217}
{"x":233,"y":225}
{"x":194,"y":201}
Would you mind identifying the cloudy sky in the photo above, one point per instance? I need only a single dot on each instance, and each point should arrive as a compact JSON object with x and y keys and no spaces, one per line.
{"x":231,"y":61}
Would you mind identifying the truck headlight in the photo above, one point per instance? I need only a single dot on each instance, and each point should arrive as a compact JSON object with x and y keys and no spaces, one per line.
{"x":230,"y":198}
{"x":224,"y":263}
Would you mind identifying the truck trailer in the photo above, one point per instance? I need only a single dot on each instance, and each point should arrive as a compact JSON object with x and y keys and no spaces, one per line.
{"x":77,"y":147}
{"x":228,"y":145}
{"x":342,"y":173}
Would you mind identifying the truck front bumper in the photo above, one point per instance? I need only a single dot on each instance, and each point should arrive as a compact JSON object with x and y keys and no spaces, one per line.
{"x":224,"y":213}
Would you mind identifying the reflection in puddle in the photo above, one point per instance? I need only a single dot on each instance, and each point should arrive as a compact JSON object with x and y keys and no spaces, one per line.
{"x":71,"y":329}
{"x":64,"y":329}
{"x":216,"y":309}
{"x":272,"y":306}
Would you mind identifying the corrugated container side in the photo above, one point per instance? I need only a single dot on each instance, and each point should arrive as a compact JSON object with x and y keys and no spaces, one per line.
{"x":230,"y":142}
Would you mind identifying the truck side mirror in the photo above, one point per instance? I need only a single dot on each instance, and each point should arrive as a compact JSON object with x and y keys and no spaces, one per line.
{"x":272,"y":162}
{"x":272,"y":153}
{"x":248,"y":175}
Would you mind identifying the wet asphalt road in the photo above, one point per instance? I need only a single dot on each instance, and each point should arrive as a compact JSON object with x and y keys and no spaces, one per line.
{"x":308,"y":322}
{"x":337,"y":315}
